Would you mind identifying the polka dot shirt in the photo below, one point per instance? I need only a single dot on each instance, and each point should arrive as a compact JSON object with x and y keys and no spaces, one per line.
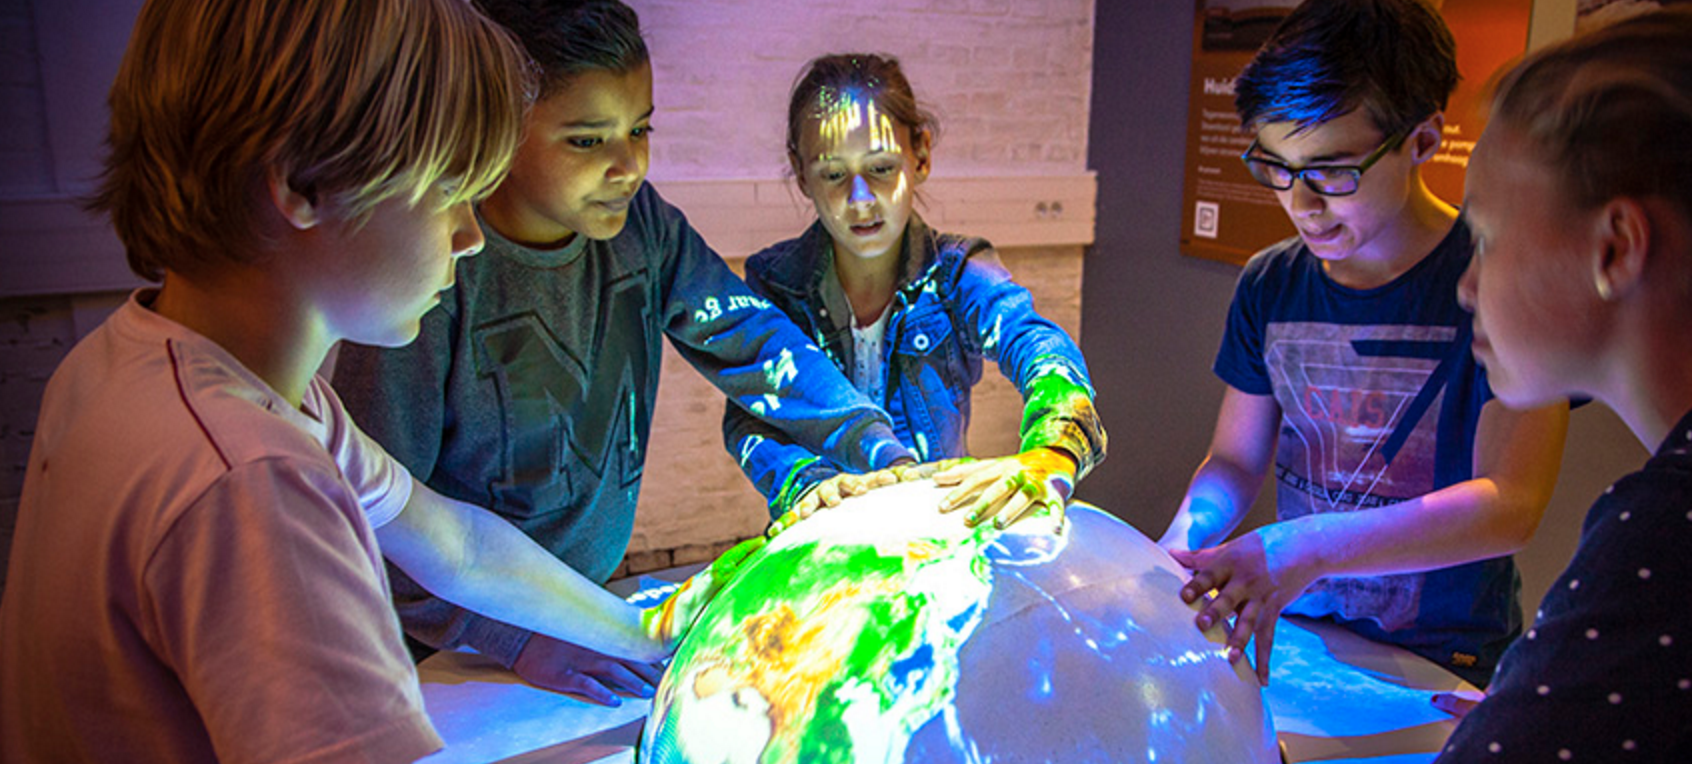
{"x":1605,"y":673}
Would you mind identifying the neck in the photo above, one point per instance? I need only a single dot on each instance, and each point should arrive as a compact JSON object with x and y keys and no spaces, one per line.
{"x":868,"y":282}
{"x":517,"y":222}
{"x":242,"y":311}
{"x":1423,"y":225}
{"x":1653,"y":388}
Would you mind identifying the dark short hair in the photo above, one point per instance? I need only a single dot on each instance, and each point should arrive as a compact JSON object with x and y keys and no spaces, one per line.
{"x":567,"y":37}
{"x":878,"y":76}
{"x":1394,"y":59}
{"x":1611,"y":110}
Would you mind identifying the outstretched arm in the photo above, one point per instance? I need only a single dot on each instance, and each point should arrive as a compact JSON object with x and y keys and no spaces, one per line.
{"x":1517,"y":455}
{"x":471,"y":557}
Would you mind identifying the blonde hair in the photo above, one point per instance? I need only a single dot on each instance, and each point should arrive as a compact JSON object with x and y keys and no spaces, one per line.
{"x":1611,"y":110}
{"x":354,"y":102}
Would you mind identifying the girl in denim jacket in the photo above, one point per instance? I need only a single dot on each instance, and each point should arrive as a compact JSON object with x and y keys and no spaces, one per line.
{"x":908,"y":313}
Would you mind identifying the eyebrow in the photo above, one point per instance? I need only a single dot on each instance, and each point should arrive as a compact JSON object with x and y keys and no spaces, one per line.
{"x":600,"y":124}
{"x":1332,"y":157}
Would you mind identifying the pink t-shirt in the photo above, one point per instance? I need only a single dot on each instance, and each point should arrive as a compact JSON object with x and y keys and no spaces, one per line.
{"x":194,"y":575}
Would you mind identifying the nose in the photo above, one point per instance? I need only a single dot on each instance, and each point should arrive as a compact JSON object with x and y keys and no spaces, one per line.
{"x":626,"y":160}
{"x":860,"y":192}
{"x":1304,"y":202}
{"x":1467,"y":284}
{"x":466,"y":234}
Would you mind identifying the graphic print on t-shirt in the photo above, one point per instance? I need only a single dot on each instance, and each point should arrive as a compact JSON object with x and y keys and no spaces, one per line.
{"x":569,"y":409}
{"x":1358,"y":431}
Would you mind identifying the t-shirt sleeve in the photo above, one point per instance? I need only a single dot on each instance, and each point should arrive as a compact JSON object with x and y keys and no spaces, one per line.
{"x":383,"y":484}
{"x":266,"y":598}
{"x":1240,"y":361}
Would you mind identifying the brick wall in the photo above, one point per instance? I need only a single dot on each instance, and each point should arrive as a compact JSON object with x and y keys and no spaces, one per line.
{"x":1009,"y":80}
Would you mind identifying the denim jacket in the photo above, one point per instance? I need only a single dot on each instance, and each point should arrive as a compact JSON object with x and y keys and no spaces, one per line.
{"x":955,"y":304}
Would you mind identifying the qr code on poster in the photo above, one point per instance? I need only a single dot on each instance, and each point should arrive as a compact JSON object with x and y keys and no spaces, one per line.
{"x":1205,"y":215}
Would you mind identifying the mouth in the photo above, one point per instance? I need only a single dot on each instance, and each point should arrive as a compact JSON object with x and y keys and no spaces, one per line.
{"x":1321,"y":235}
{"x":867,"y":229}
{"x":617,"y":205}
{"x":1479,"y":345}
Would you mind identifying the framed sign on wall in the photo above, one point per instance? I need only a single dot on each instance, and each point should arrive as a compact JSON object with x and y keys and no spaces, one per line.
{"x":1226,"y":215}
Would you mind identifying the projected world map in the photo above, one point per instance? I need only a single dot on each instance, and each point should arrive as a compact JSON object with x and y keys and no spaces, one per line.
{"x":884,"y":631}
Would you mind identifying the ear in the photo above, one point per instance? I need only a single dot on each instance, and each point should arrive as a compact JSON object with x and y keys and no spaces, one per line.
{"x":921,"y":141}
{"x":798,"y":169}
{"x":296,"y":208}
{"x":1424,"y":139}
{"x":1622,"y":228}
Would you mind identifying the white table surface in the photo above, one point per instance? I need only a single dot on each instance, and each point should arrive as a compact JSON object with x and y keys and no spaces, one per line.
{"x":1336,"y":698}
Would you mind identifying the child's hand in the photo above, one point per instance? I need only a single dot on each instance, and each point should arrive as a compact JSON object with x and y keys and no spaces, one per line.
{"x":593,"y":677}
{"x":669,"y":621}
{"x":830,"y":492}
{"x":1009,"y":488}
{"x":1253,"y":578}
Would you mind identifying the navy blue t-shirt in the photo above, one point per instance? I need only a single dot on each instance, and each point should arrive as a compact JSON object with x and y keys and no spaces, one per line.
{"x":1380,"y":399}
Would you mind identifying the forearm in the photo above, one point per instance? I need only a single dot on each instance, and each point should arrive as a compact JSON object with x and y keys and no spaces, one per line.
{"x":1058,"y":413}
{"x":1217,"y":499}
{"x":1469,"y":521}
{"x":474,"y":559}
{"x":781,"y":470}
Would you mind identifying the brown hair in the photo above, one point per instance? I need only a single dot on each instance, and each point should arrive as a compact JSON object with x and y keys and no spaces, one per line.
{"x":880,"y":77}
{"x":353,"y":101}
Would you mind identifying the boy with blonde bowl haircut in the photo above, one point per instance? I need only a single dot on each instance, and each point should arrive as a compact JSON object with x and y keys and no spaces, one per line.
{"x":195,"y":574}
{"x":1401,"y":487}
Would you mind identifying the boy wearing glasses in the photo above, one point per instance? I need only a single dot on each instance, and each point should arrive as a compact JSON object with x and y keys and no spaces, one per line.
{"x":1401,"y":486}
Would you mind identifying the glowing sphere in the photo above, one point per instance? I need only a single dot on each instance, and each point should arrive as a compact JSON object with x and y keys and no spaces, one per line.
{"x":883,"y":631}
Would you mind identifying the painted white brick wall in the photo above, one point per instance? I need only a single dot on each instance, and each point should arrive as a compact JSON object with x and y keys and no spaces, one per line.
{"x":1010,"y":81}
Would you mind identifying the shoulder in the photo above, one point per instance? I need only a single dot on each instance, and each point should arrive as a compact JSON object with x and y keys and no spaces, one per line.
{"x":652,"y":217}
{"x":766,"y":260}
{"x":790,"y":265}
{"x":1279,"y":261}
{"x":954,"y":258}
{"x":237,"y":418}
{"x":151,"y":424}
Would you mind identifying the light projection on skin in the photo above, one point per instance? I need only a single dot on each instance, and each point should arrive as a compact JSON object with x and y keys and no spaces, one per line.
{"x":838,"y":114}
{"x":882,"y":630}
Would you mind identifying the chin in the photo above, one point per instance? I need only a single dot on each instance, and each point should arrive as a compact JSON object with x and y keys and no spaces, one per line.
{"x":1520,"y":396}
{"x":605,"y":230}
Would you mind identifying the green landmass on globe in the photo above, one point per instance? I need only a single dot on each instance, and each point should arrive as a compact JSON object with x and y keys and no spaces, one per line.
{"x":848,"y":637}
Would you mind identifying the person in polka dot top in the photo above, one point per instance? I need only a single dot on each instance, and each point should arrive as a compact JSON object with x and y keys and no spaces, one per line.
{"x":1580,"y":200}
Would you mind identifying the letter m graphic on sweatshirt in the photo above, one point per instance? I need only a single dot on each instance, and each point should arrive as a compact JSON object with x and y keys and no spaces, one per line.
{"x":570,"y":409}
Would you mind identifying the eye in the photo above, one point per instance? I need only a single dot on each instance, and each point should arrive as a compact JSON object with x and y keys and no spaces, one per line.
{"x":885,"y":169}
{"x":584,"y":142}
{"x":831,"y":175}
{"x":641,"y":132}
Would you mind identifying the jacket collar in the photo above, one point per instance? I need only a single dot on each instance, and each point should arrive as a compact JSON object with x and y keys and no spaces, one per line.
{"x":809,"y":267}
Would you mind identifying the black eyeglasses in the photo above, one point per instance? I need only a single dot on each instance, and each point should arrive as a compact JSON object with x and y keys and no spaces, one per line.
{"x":1324,"y":179}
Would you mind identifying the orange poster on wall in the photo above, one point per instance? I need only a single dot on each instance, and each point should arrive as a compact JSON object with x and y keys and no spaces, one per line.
{"x":1225,"y":214}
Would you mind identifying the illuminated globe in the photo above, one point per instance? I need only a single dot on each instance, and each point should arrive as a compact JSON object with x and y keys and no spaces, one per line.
{"x":883,"y":631}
